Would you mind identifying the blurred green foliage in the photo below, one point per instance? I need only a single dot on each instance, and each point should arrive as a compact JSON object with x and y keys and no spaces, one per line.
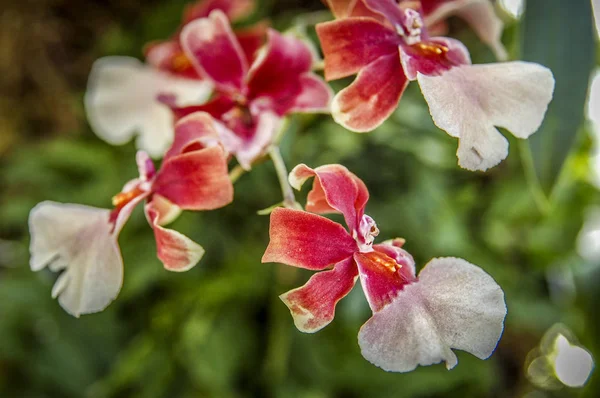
{"x":220,"y":329}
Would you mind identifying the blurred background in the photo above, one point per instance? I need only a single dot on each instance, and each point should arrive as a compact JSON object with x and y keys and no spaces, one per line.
{"x":533,"y":223}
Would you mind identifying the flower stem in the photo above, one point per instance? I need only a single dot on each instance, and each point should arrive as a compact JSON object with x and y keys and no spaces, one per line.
{"x":236,"y":173}
{"x":289,"y":200}
{"x":541,"y":200}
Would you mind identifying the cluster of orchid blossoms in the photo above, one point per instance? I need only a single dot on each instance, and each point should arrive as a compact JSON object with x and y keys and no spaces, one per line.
{"x":213,"y":96}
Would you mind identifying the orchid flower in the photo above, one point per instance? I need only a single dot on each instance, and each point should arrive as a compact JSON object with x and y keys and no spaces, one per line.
{"x":478,"y":13}
{"x":121,"y":97}
{"x":81,"y":241}
{"x":251,"y":97}
{"x":467,"y":101}
{"x":452,"y":304}
{"x":168,"y":55}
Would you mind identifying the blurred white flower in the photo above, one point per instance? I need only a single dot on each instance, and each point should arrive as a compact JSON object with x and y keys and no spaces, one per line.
{"x":588,"y":241}
{"x":573,"y":365}
{"x":121,"y":102}
{"x":559,"y":362}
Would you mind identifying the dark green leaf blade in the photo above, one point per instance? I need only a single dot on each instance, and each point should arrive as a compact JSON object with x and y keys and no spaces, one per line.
{"x":560,"y":35}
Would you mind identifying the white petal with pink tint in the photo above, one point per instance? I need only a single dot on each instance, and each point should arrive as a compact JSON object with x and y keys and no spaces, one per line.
{"x":484,"y":21}
{"x":121,"y":102}
{"x":468,"y":101}
{"x":78,"y":241}
{"x":453,"y":305}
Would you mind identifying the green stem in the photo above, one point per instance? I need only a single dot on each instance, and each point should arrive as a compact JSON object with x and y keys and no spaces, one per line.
{"x":236,"y":173}
{"x":533,"y":182}
{"x":289,"y":200}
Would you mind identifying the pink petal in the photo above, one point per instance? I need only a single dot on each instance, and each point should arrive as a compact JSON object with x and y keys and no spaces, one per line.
{"x":478,"y":13}
{"x":145,"y":166}
{"x":468,"y":101}
{"x":193,"y":132}
{"x":167,"y":211}
{"x":125,"y":202}
{"x":77,"y":240}
{"x":196,"y":180}
{"x":389,"y":9}
{"x":453,"y":305}
{"x":351,"y":44}
{"x":168,"y":56}
{"x":313,"y":305}
{"x":275,"y":74}
{"x":233,"y":9}
{"x":372,"y":97}
{"x":216,"y":107}
{"x":335,"y":189}
{"x":256,"y":138}
{"x":314,"y":96}
{"x":433,"y":57}
{"x":306,"y":240}
{"x":176,"y":251}
{"x":213,"y":49}
{"x":252,"y":38}
{"x":382,"y":277}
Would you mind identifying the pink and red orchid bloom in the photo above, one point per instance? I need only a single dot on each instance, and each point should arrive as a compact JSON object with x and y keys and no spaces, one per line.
{"x":81,"y":241}
{"x":478,"y":13}
{"x":251,"y":97}
{"x":467,"y":101}
{"x":121,"y":97}
{"x":168,"y":55}
{"x":452,"y":304}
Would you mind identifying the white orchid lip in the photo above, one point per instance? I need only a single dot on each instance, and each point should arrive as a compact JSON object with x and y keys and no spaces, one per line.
{"x":470,"y":101}
{"x":121,"y":102}
{"x":452,"y":305}
{"x":78,"y":241}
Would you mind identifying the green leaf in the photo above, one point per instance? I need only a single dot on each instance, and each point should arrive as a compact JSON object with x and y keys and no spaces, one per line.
{"x":560,"y":35}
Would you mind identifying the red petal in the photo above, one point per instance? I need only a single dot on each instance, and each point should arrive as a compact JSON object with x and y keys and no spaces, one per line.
{"x":193,"y":132}
{"x":216,"y":107}
{"x":196,"y":180}
{"x":351,"y":44}
{"x":176,"y":251}
{"x":234,"y":9}
{"x":306,"y":240}
{"x":212,"y":47}
{"x":252,"y":38}
{"x":335,"y":189}
{"x":381,"y":277}
{"x":433,"y":57}
{"x":430,"y":6}
{"x":372,"y":97}
{"x":122,"y":211}
{"x":275,"y":75}
{"x":313,"y":305}
{"x":168,"y":56}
